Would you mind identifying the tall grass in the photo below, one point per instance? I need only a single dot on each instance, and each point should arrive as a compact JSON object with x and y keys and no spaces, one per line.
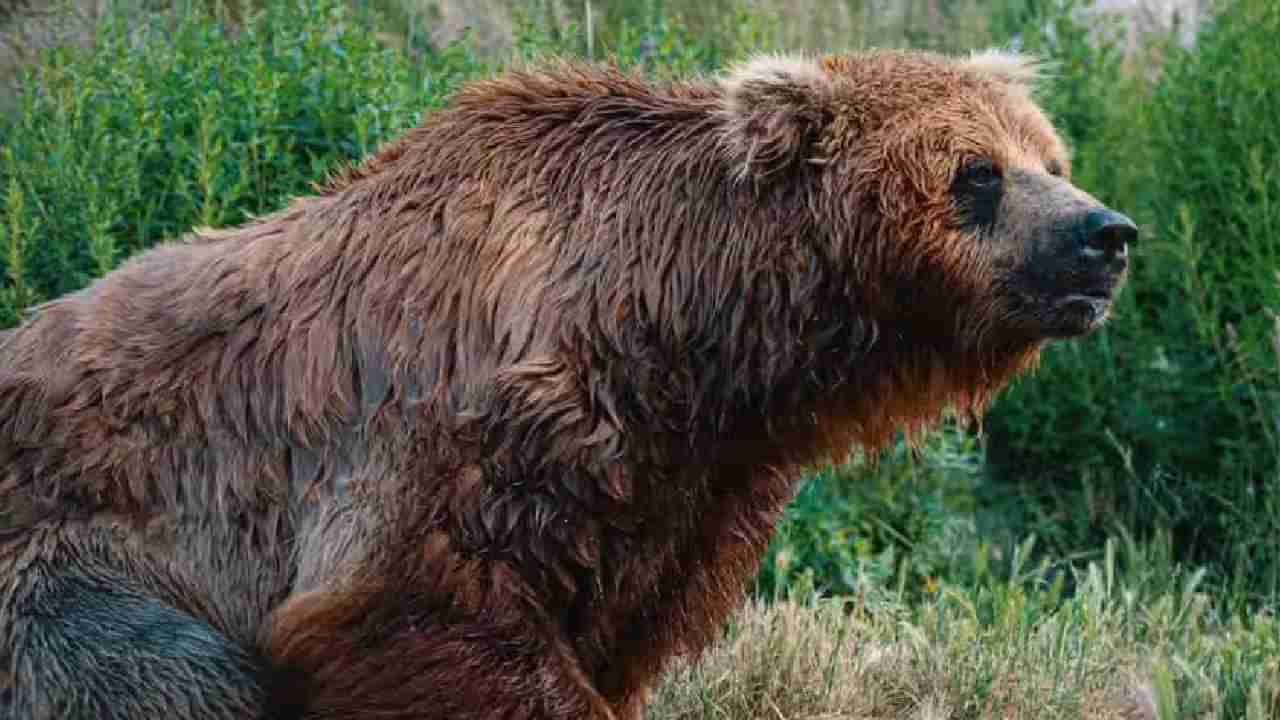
{"x":1133,"y":641}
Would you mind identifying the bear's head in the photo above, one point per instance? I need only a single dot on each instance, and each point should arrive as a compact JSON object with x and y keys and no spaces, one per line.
{"x":941,"y":183}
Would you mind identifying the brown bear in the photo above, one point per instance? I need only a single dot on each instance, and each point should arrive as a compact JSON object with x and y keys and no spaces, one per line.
{"x":499,"y":421}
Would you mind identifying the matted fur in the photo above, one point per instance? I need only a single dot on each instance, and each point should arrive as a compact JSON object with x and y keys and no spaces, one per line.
{"x":773,"y":105}
{"x":502,"y":419}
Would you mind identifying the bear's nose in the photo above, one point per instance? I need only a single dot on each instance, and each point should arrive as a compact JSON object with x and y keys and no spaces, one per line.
{"x":1107,"y":232}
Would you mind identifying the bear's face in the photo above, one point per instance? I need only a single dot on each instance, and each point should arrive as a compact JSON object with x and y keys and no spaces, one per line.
{"x":955,"y":182}
{"x":1058,"y":256}
{"x":1045,"y":257}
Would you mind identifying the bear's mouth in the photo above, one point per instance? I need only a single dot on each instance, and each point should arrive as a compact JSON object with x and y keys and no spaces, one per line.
{"x":1081,"y":311}
{"x":1092,"y":297}
{"x":1048,"y":310}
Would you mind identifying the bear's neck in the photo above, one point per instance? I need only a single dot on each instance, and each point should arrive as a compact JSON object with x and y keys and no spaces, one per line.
{"x":760,"y":336}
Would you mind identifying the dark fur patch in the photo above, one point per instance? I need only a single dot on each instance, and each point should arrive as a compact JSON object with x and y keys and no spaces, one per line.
{"x":977,"y":190}
{"x":91,"y":648}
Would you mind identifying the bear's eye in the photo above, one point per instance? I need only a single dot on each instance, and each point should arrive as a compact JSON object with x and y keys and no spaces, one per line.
{"x":980,"y":173}
{"x":976,"y":192}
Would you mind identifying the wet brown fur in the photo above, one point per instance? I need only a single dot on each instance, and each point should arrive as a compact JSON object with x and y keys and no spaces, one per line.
{"x":502,"y":419}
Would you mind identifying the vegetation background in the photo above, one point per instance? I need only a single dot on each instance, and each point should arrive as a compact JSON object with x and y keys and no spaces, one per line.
{"x":1106,"y":547}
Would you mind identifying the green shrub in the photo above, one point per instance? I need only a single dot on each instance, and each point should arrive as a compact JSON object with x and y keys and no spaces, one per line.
{"x":900,"y":527}
{"x":172,"y":121}
{"x":646,"y":35}
{"x":1168,"y":417}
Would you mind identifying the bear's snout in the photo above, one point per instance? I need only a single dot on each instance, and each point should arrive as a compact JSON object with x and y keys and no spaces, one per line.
{"x":1105,"y":235}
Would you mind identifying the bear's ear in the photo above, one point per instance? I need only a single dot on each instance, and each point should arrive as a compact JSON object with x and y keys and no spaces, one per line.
{"x":1011,"y":68}
{"x":774,"y":108}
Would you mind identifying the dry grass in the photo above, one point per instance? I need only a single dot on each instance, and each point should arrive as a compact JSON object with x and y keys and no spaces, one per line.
{"x":816,"y":661}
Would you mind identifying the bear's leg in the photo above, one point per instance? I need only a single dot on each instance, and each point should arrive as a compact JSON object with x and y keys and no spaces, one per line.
{"x":354,"y":658}
{"x":92,"y":647}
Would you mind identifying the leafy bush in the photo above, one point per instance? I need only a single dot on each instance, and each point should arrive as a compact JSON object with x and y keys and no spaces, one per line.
{"x":172,"y":121}
{"x":899,"y":527}
{"x":1168,"y":417}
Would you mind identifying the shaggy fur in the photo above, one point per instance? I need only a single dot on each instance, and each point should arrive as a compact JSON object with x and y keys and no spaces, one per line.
{"x":501,"y":419}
